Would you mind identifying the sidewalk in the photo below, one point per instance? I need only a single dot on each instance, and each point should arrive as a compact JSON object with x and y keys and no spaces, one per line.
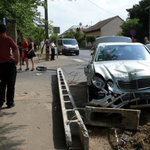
{"x":30,"y":125}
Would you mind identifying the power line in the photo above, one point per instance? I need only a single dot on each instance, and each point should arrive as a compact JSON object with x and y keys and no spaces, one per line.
{"x":102,"y":8}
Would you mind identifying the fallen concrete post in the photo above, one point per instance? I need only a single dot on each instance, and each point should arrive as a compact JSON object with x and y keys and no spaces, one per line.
{"x":76,"y":133}
{"x":112,"y":117}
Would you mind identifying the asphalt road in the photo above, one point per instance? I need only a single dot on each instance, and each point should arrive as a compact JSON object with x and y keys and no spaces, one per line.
{"x":36,"y":122}
{"x":74,"y":71}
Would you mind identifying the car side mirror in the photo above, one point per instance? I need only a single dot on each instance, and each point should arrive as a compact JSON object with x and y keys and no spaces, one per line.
{"x":86,"y":71}
{"x":92,"y":50}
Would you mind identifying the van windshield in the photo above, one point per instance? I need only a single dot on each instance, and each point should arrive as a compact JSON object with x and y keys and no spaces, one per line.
{"x":71,"y":42}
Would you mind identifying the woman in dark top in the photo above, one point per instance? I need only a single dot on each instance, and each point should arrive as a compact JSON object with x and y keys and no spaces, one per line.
{"x":31,"y":53}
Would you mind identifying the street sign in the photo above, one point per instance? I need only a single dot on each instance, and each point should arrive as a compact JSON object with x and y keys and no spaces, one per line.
{"x":132,"y":32}
{"x":41,"y":25}
{"x":56,"y":29}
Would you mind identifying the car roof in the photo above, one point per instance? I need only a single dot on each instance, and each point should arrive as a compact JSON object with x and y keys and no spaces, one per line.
{"x":105,"y":39}
{"x":68,"y":39}
{"x":119,"y":43}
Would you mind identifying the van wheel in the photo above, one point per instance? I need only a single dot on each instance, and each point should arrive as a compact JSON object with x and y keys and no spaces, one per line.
{"x":77,"y":53}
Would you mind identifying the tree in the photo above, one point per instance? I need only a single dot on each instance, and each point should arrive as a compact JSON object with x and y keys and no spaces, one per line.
{"x":139,"y":12}
{"x":70,"y":34}
{"x":132,"y":24}
{"x":78,"y":35}
{"x":90,"y":38}
{"x":24,"y":12}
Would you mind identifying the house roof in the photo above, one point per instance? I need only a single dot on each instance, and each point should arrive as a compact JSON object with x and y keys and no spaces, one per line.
{"x":100,"y":24}
{"x":148,"y":7}
{"x":75,"y":27}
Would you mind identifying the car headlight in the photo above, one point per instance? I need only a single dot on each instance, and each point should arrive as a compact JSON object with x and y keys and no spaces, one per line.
{"x":110,"y":84}
{"x":98,"y":82}
{"x":77,"y":47}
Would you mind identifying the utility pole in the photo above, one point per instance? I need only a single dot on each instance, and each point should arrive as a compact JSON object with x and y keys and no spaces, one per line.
{"x":46,"y":20}
{"x":46,"y":30}
{"x":46,"y":25}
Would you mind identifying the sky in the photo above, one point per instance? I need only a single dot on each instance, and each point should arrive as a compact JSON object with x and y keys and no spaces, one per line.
{"x":66,"y":13}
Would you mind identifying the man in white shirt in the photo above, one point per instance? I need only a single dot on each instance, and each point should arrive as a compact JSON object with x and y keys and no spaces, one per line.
{"x":52,"y":50}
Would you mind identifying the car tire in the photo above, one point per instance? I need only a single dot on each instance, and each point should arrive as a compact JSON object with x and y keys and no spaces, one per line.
{"x":77,"y":53}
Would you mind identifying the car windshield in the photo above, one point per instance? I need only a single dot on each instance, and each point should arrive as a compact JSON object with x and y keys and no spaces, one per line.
{"x":71,"y":42}
{"x":148,"y":46}
{"x":122,"y":52}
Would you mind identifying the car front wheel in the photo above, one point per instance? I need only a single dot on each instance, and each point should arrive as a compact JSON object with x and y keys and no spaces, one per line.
{"x":77,"y":53}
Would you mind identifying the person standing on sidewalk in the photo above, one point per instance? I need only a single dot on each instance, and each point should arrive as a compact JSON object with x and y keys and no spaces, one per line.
{"x":31,"y":53}
{"x":9,"y":57}
{"x":146,"y":40}
{"x":52,"y":50}
{"x":23,"y":54}
{"x":20,"y":50}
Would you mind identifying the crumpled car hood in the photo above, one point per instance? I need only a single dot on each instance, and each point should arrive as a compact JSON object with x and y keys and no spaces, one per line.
{"x":124,"y":70}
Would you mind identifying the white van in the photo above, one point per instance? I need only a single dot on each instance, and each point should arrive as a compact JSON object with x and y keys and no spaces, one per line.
{"x":67,"y":45}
